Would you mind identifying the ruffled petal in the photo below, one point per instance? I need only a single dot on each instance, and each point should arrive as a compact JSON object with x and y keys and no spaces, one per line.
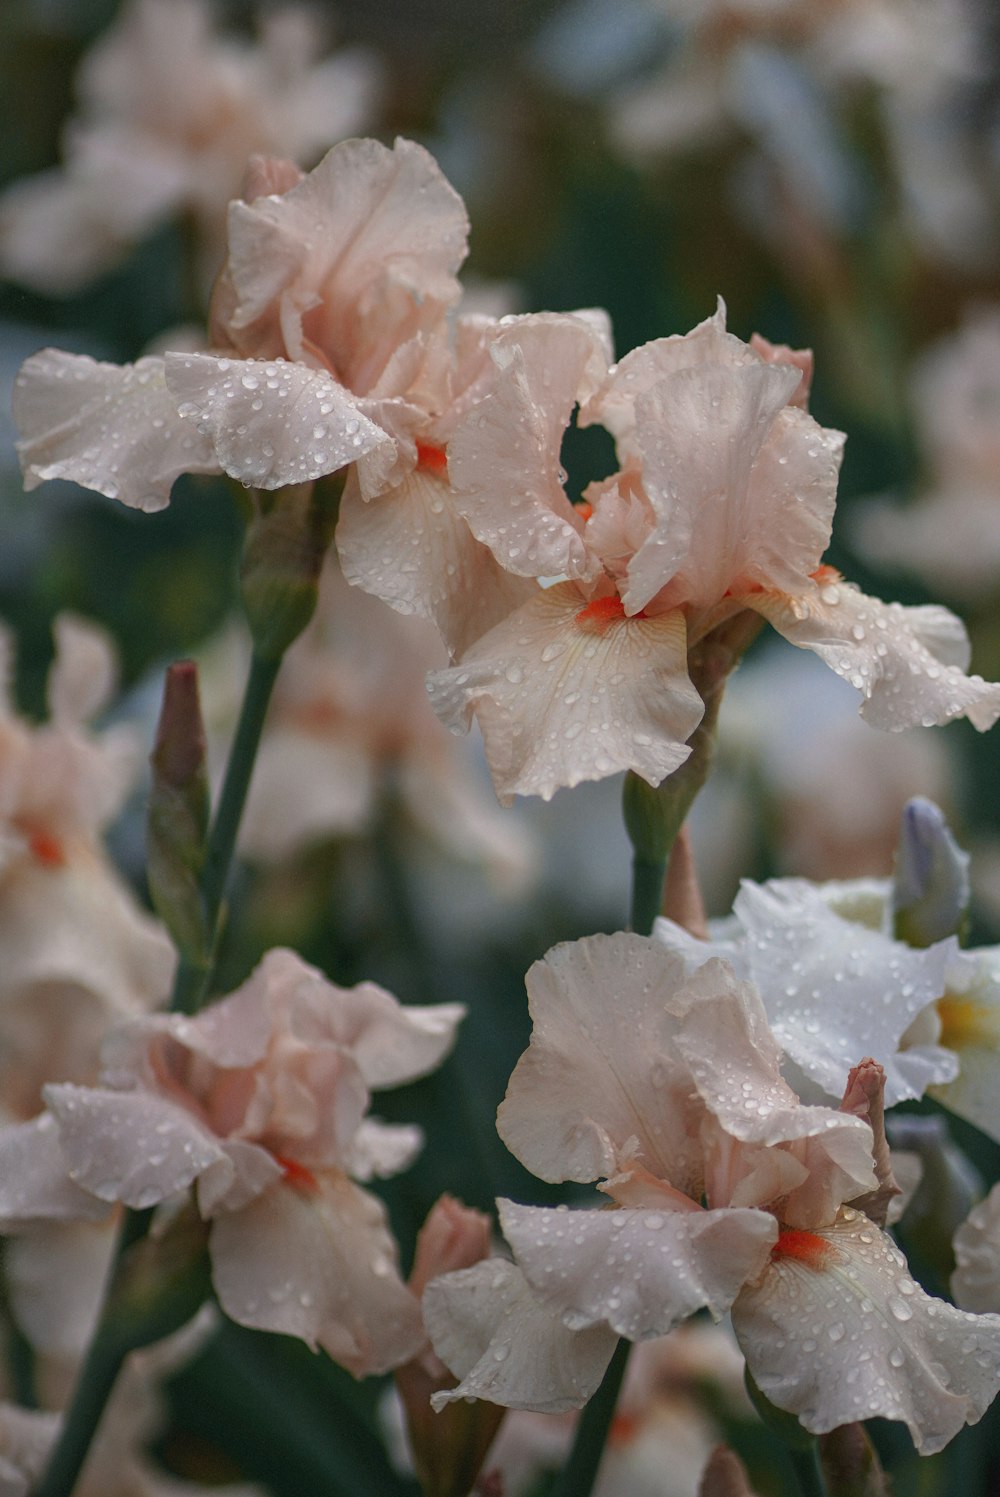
{"x":318,"y":1263}
{"x":34,"y":1181}
{"x":412,"y":548}
{"x":699,"y":433}
{"x":837,"y":1331}
{"x":735,"y":1064}
{"x":602,"y":1011}
{"x":494,"y":1334}
{"x":907,"y":662}
{"x":560,"y":699}
{"x":503,"y":460}
{"x":133,"y":1147}
{"x":380,"y":1150}
{"x":368,"y":244}
{"x":273,"y":423}
{"x":391,"y":1042}
{"x":639,"y":1272}
{"x":835,"y":991}
{"x":113,"y":428}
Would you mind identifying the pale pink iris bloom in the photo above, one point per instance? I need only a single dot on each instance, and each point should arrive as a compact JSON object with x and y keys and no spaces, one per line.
{"x":333,"y":294}
{"x":259,"y":1103}
{"x":723,"y":503}
{"x":169,"y":113}
{"x":669,"y":1092}
{"x":79,"y":953}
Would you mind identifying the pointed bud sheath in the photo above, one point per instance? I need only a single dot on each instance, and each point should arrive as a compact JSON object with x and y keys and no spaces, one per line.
{"x":178,"y":812}
{"x":286,"y":541}
{"x":864,"y":1097}
{"x":725,"y":1475}
{"x":930,"y":895}
{"x":448,"y":1448}
{"x":848,"y":1461}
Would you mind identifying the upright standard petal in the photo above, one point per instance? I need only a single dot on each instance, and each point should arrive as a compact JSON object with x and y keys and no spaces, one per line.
{"x":112,"y":428}
{"x":564,"y":692}
{"x":346,"y":265}
{"x":699,"y":433}
{"x":272,"y":423}
{"x":837,"y":1331}
{"x":503,"y":459}
{"x":504,"y":1345}
{"x":907,"y":662}
{"x":599,"y":1078}
{"x":975,"y":1283}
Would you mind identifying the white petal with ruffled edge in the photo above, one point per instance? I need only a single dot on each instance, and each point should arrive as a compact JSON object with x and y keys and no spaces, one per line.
{"x":837,"y":1331}
{"x":835,"y":992}
{"x":641,"y":1272}
{"x":113,"y":428}
{"x":602,"y":1011}
{"x":319,"y":1264}
{"x":559,"y":703}
{"x":907,"y":662}
{"x":488,"y":1327}
{"x":272,"y":423}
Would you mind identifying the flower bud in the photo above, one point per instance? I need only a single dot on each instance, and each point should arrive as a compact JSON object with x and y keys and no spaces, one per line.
{"x":286,"y":541}
{"x":848,"y":1461}
{"x":448,"y":1448}
{"x":725,"y":1475}
{"x":178,"y":812}
{"x":930,"y":895}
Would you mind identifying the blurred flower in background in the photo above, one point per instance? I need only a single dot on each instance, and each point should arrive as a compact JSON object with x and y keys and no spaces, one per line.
{"x":169,"y":113}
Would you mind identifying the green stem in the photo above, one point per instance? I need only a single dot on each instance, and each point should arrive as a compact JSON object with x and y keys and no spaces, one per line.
{"x":193,"y":977}
{"x":648,"y":877}
{"x":93,"y":1387}
{"x":579,"y":1474}
{"x":807,"y":1470}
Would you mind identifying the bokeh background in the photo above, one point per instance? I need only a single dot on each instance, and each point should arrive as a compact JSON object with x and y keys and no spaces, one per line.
{"x":832,"y":169}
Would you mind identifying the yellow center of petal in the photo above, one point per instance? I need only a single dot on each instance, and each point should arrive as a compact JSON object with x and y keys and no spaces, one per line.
{"x":965,"y":1022}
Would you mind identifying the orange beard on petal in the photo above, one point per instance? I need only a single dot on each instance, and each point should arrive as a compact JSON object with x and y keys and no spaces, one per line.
{"x":804,"y":1247}
{"x":297,"y":1174}
{"x":598,"y":616}
{"x":432,"y":459}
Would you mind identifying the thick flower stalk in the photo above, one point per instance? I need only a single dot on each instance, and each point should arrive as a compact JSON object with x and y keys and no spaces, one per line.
{"x":726,"y":1193}
{"x":259,"y":1104}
